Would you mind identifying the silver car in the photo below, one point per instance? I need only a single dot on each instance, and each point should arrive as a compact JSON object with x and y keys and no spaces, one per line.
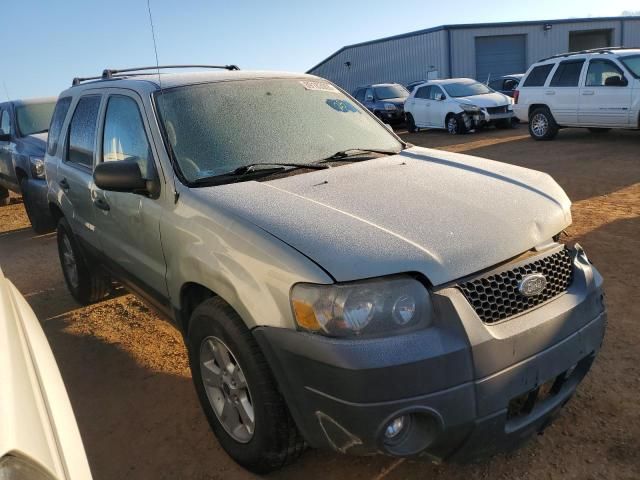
{"x":336,"y":286}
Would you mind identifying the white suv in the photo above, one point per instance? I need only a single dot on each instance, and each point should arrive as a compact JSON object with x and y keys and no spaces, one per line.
{"x":598,"y":89}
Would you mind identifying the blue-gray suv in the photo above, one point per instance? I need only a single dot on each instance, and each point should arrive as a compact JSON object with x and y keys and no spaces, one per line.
{"x":23,"y":141}
{"x":384,"y":100}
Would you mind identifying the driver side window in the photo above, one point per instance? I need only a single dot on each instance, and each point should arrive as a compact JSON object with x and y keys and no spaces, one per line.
{"x":124,"y":136}
{"x":435,"y":93}
{"x":602,"y":70}
{"x":368,"y":96}
{"x":5,"y":123}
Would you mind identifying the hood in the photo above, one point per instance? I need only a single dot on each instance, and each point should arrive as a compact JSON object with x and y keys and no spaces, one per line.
{"x":398,"y":101}
{"x":35,"y":144}
{"x":445,"y":215}
{"x":494,"y":99}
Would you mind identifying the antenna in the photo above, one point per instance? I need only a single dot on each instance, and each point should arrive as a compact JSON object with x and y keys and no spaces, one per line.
{"x":176,"y":195}
{"x":6,"y":92}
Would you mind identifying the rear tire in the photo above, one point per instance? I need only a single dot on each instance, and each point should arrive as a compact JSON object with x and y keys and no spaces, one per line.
{"x":4,"y":197}
{"x":542,"y":125}
{"x":87,"y":284}
{"x":41,"y":221}
{"x":598,"y":130}
{"x":257,"y":430}
{"x":411,"y":124}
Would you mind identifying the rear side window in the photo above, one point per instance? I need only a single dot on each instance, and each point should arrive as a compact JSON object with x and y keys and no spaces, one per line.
{"x":423,"y":92}
{"x":59,"y":114}
{"x":538,"y":76}
{"x":82,"y":131}
{"x":124,"y":135}
{"x":567,"y":74}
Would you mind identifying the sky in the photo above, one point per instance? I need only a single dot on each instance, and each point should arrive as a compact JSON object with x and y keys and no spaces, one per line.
{"x":48,"y":42}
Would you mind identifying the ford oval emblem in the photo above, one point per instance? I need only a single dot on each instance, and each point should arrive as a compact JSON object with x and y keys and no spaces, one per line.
{"x":532,"y":284}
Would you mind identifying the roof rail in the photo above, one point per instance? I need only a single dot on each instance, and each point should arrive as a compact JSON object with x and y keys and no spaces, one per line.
{"x":602,"y":50}
{"x":109,"y":73}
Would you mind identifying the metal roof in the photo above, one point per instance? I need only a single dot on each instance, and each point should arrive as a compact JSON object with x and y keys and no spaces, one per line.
{"x":461,"y":26}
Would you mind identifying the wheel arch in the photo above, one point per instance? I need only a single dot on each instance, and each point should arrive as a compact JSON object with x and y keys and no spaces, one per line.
{"x":21,"y":174}
{"x":534,"y":106}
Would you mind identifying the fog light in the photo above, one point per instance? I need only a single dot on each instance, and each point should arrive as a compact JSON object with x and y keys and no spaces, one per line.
{"x":394,"y":427}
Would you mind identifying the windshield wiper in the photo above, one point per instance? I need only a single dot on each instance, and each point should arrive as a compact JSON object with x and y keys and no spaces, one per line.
{"x":355,"y":151}
{"x":250,"y":171}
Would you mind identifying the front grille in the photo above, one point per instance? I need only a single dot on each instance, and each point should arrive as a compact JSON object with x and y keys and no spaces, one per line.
{"x":502,"y":109}
{"x":496,"y":296}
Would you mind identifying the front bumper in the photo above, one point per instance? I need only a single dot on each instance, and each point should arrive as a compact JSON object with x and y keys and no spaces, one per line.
{"x":470,"y":389}
{"x":392,"y":116}
{"x":38,"y":193}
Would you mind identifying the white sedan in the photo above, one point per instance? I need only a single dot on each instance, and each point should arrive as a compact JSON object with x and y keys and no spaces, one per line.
{"x":457,"y":105}
{"x":39,"y":438}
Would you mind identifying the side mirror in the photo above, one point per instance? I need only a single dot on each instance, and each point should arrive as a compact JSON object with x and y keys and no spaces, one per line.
{"x":616,"y":81}
{"x":368,"y":98}
{"x":120,"y":176}
{"x":440,"y":96}
{"x":5,"y":137}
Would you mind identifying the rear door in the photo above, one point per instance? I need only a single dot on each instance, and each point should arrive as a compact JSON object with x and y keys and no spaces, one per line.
{"x":605,"y":100}
{"x":420,"y":106}
{"x":128,"y":224}
{"x":7,"y":173}
{"x":75,"y":172}
{"x":564,"y":91}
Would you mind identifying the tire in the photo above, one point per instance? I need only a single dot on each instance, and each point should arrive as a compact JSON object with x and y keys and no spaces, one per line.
{"x":41,"y":221}
{"x":88,"y":284}
{"x":454,"y":124}
{"x":542,"y":125}
{"x":598,"y":130}
{"x":411,"y":124}
{"x":274,"y":440}
{"x":4,"y":197}
{"x":504,"y":124}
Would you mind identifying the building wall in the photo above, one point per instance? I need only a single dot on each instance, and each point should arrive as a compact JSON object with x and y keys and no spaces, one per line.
{"x":409,"y":58}
{"x":540,"y":43}
{"x":401,"y":60}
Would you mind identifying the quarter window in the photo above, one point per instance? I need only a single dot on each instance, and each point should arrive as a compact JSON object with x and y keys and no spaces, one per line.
{"x":5,"y":122}
{"x":82,"y":131}
{"x":599,"y":71}
{"x":124,"y":135}
{"x":567,"y":74}
{"x":538,"y":76}
{"x":59,"y":114}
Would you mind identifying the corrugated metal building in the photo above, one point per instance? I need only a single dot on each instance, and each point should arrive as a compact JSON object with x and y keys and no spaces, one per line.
{"x":477,"y":50}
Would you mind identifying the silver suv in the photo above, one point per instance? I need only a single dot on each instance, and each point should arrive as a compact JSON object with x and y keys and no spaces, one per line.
{"x":336,"y":286}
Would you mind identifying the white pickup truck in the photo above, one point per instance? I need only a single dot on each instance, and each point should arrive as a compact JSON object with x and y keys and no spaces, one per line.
{"x":39,"y":437}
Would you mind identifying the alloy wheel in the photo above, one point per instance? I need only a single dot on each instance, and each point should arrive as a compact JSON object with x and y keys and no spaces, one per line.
{"x":69,"y":262}
{"x":227,"y":389}
{"x":539,"y":125}
{"x":452,"y":125}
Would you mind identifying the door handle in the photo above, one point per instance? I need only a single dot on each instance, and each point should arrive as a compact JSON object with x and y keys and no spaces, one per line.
{"x":588,"y":92}
{"x":101,"y":204}
{"x":64,"y":185}
{"x":550,"y":92}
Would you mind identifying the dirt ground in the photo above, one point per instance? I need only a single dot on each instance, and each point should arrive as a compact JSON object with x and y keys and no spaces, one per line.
{"x":127,"y":375}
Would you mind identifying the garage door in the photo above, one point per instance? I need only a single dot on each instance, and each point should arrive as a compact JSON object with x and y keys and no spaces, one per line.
{"x":589,"y":39}
{"x":500,"y":55}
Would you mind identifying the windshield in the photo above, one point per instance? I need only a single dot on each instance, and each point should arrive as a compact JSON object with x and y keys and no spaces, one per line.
{"x":34,"y":118}
{"x":632,"y":62}
{"x":466,"y":89}
{"x":391,"y":91}
{"x":214,"y":128}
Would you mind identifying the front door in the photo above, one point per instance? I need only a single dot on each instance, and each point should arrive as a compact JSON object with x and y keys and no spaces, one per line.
{"x":129,"y":224}
{"x":564,"y":91}
{"x":605,"y":99}
{"x":438,"y":108}
{"x":7,"y":173}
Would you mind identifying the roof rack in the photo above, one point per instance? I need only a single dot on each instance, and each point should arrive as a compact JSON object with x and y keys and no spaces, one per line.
{"x":602,"y":50}
{"x":110,"y":73}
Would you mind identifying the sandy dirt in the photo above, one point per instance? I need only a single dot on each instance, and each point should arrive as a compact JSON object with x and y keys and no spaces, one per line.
{"x":129,"y":382}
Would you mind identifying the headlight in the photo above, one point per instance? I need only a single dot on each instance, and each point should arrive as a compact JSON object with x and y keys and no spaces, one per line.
{"x":37,"y":166}
{"x":15,"y":468}
{"x":371,"y":307}
{"x":390,"y":106}
{"x":510,"y":106}
{"x":469,"y":108}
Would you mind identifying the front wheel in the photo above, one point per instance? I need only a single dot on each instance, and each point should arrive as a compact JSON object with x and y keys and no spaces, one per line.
{"x":41,"y":221}
{"x":455,"y":125}
{"x":87,"y":284}
{"x":4,"y":197}
{"x":542,"y":125}
{"x":237,"y":391}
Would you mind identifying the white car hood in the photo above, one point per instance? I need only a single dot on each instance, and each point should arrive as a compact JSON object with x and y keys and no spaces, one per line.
{"x":494,"y":99}
{"x":445,"y":215}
